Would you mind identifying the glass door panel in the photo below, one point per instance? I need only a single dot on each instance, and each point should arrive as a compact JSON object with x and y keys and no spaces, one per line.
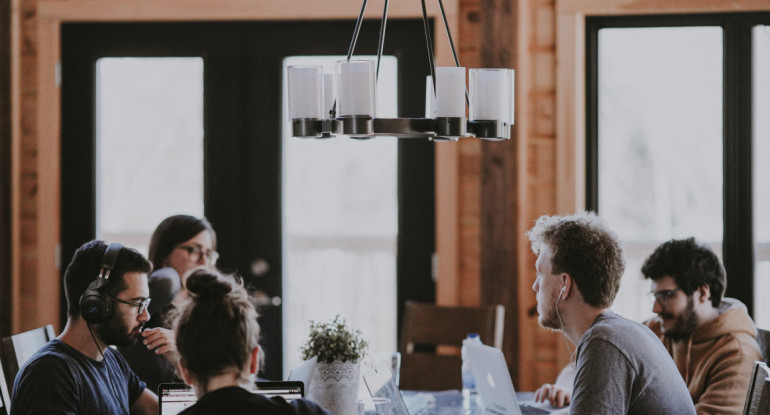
{"x":761,"y":191}
{"x":149,"y":145}
{"x":340,"y":226}
{"x":659,"y":144}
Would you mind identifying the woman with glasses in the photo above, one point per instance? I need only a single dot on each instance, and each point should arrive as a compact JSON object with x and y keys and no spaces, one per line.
{"x":217,"y":334}
{"x":179,"y":245}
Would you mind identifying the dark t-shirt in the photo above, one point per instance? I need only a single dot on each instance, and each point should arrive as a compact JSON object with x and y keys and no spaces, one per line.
{"x":238,"y":401}
{"x":153,"y":368}
{"x":59,"y":379}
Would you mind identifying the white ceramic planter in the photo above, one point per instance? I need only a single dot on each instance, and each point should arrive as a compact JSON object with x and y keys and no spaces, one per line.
{"x":335,"y":386}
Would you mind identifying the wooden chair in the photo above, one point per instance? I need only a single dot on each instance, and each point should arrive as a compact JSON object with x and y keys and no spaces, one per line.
{"x":17,"y":349}
{"x":431,"y":338}
{"x":5,"y":396}
{"x":758,"y":397}
{"x":763,"y":339}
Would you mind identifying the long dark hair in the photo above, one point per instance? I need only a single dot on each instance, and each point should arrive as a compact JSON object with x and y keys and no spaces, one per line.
{"x":173,"y":231}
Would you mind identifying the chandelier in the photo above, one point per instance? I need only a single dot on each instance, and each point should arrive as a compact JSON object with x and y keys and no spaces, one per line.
{"x":344,"y":103}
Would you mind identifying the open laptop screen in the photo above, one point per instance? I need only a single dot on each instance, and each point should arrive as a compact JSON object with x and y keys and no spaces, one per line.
{"x":175,"y":397}
{"x":288,"y":390}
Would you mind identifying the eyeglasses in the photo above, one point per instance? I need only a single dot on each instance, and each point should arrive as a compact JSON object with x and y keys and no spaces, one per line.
{"x":663,"y":296}
{"x":142,"y":305}
{"x":197,"y":252}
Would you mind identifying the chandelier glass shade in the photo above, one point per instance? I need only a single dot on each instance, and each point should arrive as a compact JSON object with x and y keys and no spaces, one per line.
{"x":344,"y":103}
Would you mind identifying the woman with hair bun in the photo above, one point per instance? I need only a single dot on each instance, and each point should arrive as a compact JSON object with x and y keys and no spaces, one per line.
{"x":216,"y":337}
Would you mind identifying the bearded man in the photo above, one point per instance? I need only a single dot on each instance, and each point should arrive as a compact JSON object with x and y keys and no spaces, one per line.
{"x":711,"y":338}
{"x":77,"y":372}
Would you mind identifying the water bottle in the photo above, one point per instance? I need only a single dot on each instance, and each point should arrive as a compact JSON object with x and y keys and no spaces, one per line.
{"x":470,"y":395}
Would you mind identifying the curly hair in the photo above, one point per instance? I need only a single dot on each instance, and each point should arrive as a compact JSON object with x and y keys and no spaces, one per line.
{"x":690,"y":264}
{"x":585,"y":248}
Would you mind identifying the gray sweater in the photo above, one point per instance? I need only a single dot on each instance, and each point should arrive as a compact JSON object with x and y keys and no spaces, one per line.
{"x":623,"y":368}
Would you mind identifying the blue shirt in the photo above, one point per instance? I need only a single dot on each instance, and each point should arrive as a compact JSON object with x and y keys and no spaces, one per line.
{"x":59,"y":379}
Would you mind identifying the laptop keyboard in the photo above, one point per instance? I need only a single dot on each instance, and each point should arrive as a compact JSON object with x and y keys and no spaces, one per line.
{"x":531,"y":410}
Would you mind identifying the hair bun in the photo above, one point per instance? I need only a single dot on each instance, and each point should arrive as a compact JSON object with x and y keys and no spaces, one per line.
{"x":206,"y":284}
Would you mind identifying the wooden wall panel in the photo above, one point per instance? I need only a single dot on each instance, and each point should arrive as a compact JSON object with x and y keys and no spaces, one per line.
{"x":500,"y":182}
{"x":5,"y":165}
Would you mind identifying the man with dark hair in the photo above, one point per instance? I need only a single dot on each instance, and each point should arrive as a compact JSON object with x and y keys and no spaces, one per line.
{"x":78,"y":373}
{"x":621,"y":367}
{"x":711,"y":338}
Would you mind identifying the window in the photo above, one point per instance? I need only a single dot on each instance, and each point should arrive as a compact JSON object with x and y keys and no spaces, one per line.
{"x":671,"y":139}
{"x":341,"y":227}
{"x":149,"y":141}
{"x":761,"y":190}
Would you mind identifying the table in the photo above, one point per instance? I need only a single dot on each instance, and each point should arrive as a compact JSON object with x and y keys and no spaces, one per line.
{"x":449,"y":402}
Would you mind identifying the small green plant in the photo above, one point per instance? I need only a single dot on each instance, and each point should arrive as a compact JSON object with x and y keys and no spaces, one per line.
{"x":333,"y":341}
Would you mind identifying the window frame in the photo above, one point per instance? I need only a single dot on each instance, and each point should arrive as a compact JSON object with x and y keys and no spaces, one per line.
{"x":738,"y":239}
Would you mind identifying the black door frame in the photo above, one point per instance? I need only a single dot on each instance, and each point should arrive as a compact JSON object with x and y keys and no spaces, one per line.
{"x":232,"y":128}
{"x":738,"y":240}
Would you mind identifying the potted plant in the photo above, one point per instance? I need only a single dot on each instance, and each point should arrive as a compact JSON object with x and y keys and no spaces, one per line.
{"x":338,"y":350}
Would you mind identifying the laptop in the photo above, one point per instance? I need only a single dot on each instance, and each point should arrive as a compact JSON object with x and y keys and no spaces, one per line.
{"x":304,"y":372}
{"x":382,"y":384}
{"x":495,"y":387}
{"x":173,"y":398}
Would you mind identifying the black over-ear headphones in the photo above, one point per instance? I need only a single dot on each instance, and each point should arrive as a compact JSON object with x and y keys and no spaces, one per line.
{"x":96,"y":306}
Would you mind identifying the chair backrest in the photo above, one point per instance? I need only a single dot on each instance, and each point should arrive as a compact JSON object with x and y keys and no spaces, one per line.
{"x":17,"y":349}
{"x":431,"y":338}
{"x":763,"y":339}
{"x":5,"y":396}
{"x":758,"y":397}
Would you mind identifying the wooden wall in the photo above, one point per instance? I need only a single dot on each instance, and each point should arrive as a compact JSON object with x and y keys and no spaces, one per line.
{"x":5,"y":165}
{"x":488,"y":194}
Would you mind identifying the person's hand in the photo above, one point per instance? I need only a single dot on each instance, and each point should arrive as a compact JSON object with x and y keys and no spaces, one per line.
{"x":556,"y":395}
{"x":161,"y":341}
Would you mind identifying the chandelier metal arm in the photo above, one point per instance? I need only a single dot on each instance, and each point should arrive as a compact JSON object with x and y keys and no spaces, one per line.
{"x":448,"y":33}
{"x":357,"y":30}
{"x":435,"y":129}
{"x":428,"y":44}
{"x":452,"y":46}
{"x":381,"y":41}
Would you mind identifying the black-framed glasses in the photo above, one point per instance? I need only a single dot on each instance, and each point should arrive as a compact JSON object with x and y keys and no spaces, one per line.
{"x":197,"y":252}
{"x":142,"y":305}
{"x":663,"y":296}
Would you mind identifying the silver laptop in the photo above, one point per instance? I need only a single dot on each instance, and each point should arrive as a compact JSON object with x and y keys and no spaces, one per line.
{"x":382,"y":384}
{"x":495,"y":387}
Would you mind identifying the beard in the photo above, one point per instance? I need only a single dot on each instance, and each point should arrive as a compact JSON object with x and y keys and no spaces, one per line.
{"x":684,"y":324}
{"x":116,"y":332}
{"x":549,"y":317}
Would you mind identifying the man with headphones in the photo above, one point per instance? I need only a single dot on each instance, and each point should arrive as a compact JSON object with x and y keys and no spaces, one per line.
{"x":78,"y":373}
{"x":621,"y":366}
